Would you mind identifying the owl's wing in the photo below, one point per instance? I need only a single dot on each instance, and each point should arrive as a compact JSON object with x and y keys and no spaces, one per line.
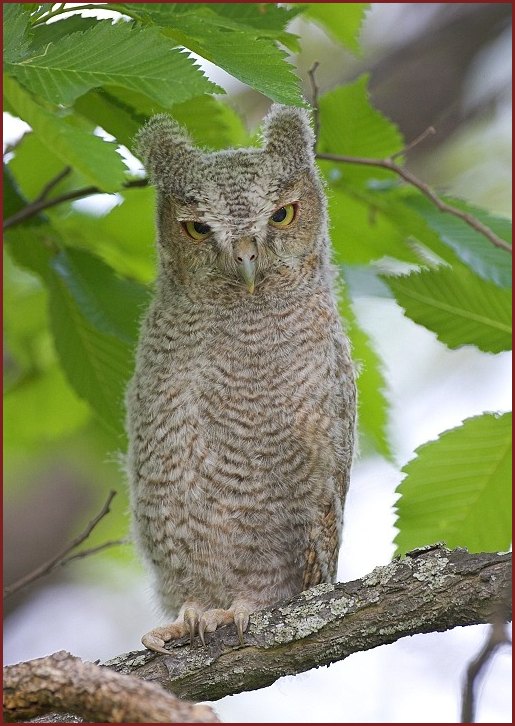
{"x":322,"y":550}
{"x":324,"y":539}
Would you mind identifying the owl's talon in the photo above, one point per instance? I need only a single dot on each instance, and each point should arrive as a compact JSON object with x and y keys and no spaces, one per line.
{"x":191,"y":619}
{"x":153,"y":643}
{"x":241,"y":621}
{"x":202,"y":630}
{"x":157,"y":637}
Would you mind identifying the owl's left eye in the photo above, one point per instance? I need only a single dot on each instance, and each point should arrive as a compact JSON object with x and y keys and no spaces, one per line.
{"x":283,"y":216}
{"x":196,"y":230}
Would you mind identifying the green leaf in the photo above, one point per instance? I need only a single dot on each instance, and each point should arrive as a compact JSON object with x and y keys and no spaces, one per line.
{"x":13,"y":198}
{"x":343,"y":21}
{"x":42,"y":35}
{"x":268,"y":18}
{"x":472,"y":247}
{"x":124,"y":238}
{"x":41,"y":409}
{"x":254,"y":60}
{"x":97,"y":364}
{"x":106,"y":54}
{"x":27,"y":341}
{"x":96,"y":159}
{"x":211,"y":122}
{"x":16,"y":31}
{"x":458,"y":489}
{"x":373,"y":406}
{"x":461,"y":308}
{"x":111,"y":304}
{"x":114,"y":116}
{"x":361,"y":232}
{"x":351,"y":126}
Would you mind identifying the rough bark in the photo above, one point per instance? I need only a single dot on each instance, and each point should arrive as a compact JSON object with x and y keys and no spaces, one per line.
{"x":65,"y":683}
{"x":428,"y":590}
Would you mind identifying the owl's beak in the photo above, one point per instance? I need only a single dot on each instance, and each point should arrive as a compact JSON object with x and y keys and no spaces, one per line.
{"x":245,"y":254}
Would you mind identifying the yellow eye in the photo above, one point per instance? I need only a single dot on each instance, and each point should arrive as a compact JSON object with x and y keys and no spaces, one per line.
{"x":196,"y":230}
{"x":283,"y":216}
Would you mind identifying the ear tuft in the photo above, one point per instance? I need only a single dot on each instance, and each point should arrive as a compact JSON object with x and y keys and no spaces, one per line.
{"x":164,"y":147}
{"x":287,"y":132}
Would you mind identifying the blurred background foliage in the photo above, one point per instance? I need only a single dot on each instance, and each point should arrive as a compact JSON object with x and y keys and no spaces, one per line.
{"x":78,"y":274}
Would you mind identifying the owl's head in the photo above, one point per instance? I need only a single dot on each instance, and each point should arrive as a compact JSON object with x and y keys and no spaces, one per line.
{"x":245,"y":219}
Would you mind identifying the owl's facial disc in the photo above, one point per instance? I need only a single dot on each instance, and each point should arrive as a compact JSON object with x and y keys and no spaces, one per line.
{"x":245,"y":256}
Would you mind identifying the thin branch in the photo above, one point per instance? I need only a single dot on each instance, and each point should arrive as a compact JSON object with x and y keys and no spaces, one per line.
{"x":62,"y":558}
{"x":63,"y":683}
{"x":498,"y":636}
{"x":52,"y":183}
{"x":39,"y":205}
{"x":426,"y":191}
{"x":314,"y":100}
{"x":430,"y":131}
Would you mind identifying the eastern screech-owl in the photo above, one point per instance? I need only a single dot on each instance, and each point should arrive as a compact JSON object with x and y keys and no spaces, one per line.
{"x":242,"y":407}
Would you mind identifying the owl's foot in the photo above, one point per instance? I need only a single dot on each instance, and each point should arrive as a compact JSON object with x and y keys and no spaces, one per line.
{"x":186,"y":624}
{"x":193,"y":619}
{"x":212,"y":619}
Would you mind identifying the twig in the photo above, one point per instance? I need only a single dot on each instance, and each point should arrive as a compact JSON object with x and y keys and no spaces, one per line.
{"x":498,"y":636}
{"x":401,"y":171}
{"x":430,"y":131}
{"x":52,"y":183}
{"x":314,"y":100}
{"x":426,"y":191}
{"x":61,"y":558}
{"x":38,"y":206}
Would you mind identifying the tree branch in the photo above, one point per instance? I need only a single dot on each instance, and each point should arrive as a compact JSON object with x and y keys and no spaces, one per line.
{"x":426,"y":191}
{"x":428,"y":590}
{"x":64,"y":683}
{"x":63,"y":558}
{"x":39,"y":204}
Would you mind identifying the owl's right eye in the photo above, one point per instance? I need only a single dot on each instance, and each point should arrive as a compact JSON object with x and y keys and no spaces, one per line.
{"x":196,"y":230}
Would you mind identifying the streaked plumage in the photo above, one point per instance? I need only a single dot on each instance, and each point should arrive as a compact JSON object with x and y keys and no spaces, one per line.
{"x":241,"y":411}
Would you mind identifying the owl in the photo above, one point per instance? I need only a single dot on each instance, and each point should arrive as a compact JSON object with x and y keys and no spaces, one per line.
{"x":241,"y":411}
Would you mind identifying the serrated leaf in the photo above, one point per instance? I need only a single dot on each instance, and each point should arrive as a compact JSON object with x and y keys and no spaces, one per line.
{"x":351,"y":126}
{"x":255,"y":60}
{"x":472,"y":247}
{"x":112,"y":304}
{"x":16,"y":31}
{"x":343,"y":21}
{"x":212,"y":123}
{"x":268,"y":18}
{"x":97,"y":364}
{"x":47,"y":33}
{"x":373,"y":406}
{"x":140,"y":59}
{"x":461,"y":308}
{"x":96,"y":159}
{"x":457,"y":489}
